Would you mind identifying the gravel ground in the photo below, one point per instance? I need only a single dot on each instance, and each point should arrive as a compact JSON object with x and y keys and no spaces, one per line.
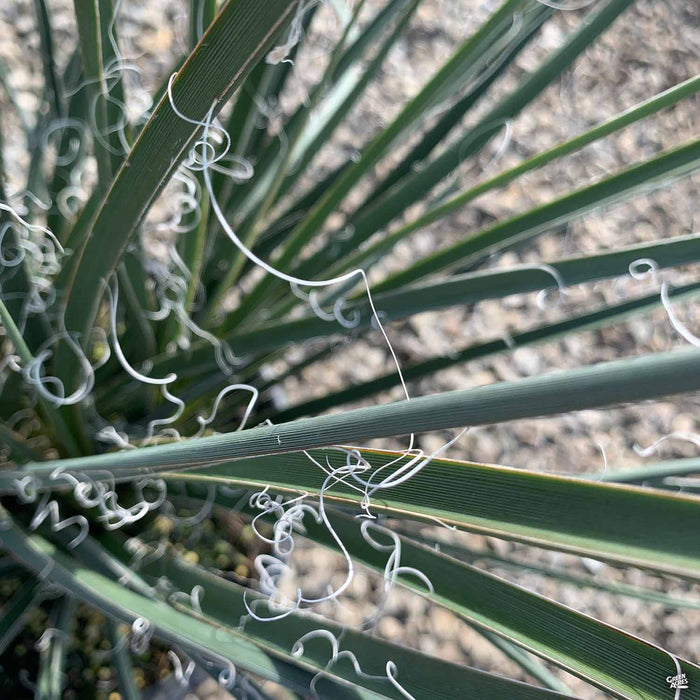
{"x":651,"y":47}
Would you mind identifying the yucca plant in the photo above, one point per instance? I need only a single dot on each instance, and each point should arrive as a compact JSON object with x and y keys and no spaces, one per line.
{"x":137,"y":395}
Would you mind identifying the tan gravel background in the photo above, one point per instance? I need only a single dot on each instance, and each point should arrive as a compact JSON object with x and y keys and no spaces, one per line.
{"x":653,"y":46}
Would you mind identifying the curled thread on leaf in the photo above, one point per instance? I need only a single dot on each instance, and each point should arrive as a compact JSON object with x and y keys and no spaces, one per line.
{"x":579,"y":5}
{"x":337,"y":655}
{"x":194,"y":597}
{"x":74,"y":146}
{"x":141,"y":635}
{"x":227,"y":676}
{"x":96,"y":494}
{"x":34,"y":199}
{"x":113,"y":295}
{"x":48,"y":508}
{"x":143,"y":554}
{"x":26,"y":489}
{"x":643,"y":269}
{"x":182,"y":675}
{"x":153,"y":424}
{"x":113,"y":436}
{"x":685,"y":437}
{"x":42,"y":644}
{"x":290,"y":515}
{"x":647,"y":269}
{"x":204,"y":422}
{"x":32,"y":227}
{"x":605,"y":461}
{"x":677,"y":324}
{"x":280,"y":53}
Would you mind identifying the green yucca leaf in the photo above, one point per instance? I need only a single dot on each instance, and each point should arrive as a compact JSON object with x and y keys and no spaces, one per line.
{"x":78,"y":111}
{"x":426,"y":368}
{"x":633,"y":379}
{"x":88,"y":14}
{"x":654,"y":104}
{"x":122,"y":663}
{"x":202,"y":13}
{"x":16,"y":610}
{"x":265,"y":653}
{"x":657,"y":171}
{"x":475,"y":557}
{"x":132,"y":284}
{"x":52,"y":655}
{"x":239,"y":37}
{"x":615,"y":523}
{"x":414,"y":187}
{"x":478,"y":286}
{"x":529,"y":663}
{"x":655,"y":473}
{"x":224,"y":604}
{"x":52,"y":81}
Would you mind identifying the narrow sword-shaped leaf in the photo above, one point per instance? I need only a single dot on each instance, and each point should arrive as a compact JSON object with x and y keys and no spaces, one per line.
{"x":611,"y":659}
{"x":472,"y":556}
{"x":268,"y":657}
{"x":419,"y":675}
{"x":630,"y":116}
{"x":541,"y":334}
{"x":529,"y":663}
{"x":648,"y":528}
{"x":608,"y":383}
{"x":654,"y":473}
{"x":54,"y":88}
{"x":238,"y":38}
{"x":14,"y":613}
{"x":650,"y":174}
{"x":430,"y":296}
{"x":122,"y":663}
{"x":52,"y":656}
{"x":87,"y":14}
